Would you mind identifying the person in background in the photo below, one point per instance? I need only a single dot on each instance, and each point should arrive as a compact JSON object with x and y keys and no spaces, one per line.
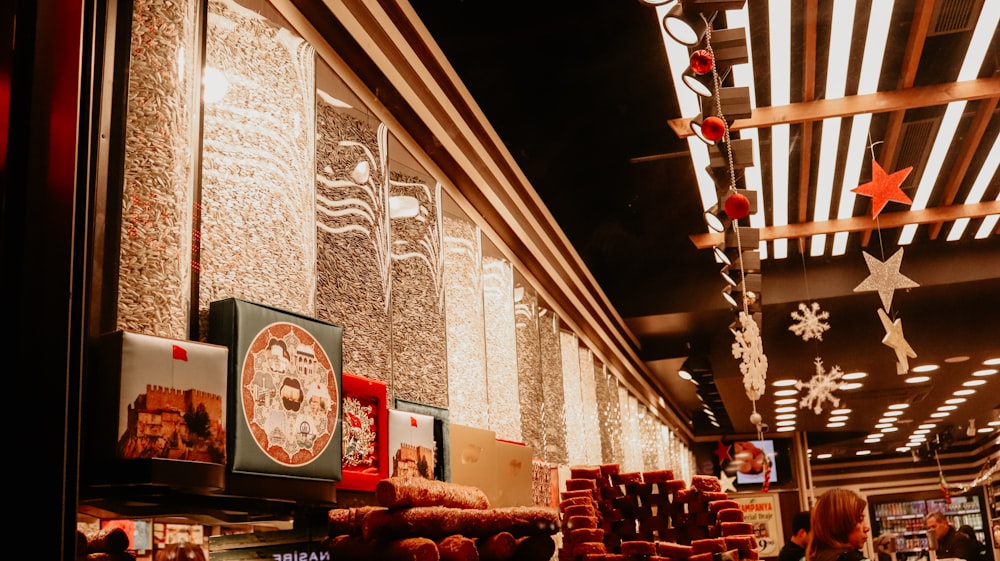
{"x":838,"y":527}
{"x":950,"y":542}
{"x":980,"y":547}
{"x":795,"y":548}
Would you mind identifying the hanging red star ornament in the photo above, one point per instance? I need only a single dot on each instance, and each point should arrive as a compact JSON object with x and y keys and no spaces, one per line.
{"x":884,"y":187}
{"x":722,"y":452}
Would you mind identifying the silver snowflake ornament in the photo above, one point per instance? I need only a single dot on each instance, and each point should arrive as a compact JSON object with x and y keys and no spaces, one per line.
{"x":820,"y":388}
{"x":749,"y":348}
{"x":809,"y":322}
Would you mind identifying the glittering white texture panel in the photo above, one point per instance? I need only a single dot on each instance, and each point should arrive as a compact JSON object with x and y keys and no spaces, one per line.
{"x":465,"y":323}
{"x":501,"y":349}
{"x":419,"y":353}
{"x":590,"y":425}
{"x":633,"y":437}
{"x":652,"y":454}
{"x":154,"y":282}
{"x":608,"y":415}
{"x":553,"y":414}
{"x":352,"y":261}
{"x":576,"y":443}
{"x":529,"y":368}
{"x":258,"y":227}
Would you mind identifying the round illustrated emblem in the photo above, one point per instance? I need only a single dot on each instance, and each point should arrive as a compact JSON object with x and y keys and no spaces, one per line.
{"x":289,"y":394}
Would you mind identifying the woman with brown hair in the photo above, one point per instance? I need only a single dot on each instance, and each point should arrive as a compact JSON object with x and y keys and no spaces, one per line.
{"x":839,"y":530}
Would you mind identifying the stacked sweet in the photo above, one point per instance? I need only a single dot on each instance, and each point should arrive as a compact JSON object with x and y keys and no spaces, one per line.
{"x":611,"y":515}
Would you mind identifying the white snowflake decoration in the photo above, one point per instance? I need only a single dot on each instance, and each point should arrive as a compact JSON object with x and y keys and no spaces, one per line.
{"x":750,"y":350}
{"x":810,"y":324}
{"x":821,"y":388}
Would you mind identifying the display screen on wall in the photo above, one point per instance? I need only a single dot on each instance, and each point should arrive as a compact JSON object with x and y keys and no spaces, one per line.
{"x":751,"y":459}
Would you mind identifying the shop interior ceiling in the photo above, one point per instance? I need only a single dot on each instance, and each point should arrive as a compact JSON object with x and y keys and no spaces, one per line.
{"x":584,"y":98}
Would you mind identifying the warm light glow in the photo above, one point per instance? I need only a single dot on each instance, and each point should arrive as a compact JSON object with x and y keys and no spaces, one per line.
{"x":955,"y":400}
{"x":785,"y":429}
{"x":926,"y":368}
{"x":863,"y":452}
{"x":895,"y":406}
{"x":985,"y":372}
{"x":973,"y":383}
{"x":786,"y":392}
{"x":947,"y":408}
{"x":927,"y":426}
{"x":887,"y":420}
{"x":883,"y":426}
{"x":824,"y":456}
{"x":892,"y":413}
{"x":963,"y":392}
{"x":902,"y":449}
{"x":786,"y":401}
{"x":785,"y":423}
{"x":783,"y":383}
{"x":917,"y":379}
{"x":922,"y":431}
{"x":785,"y":416}
{"x":838,"y":418}
{"x":841,"y":411}
{"x":985,"y":430}
{"x":854,"y":376}
{"x":876,"y":435}
{"x":940,"y":414}
{"x":991,"y":362}
{"x":889,"y":429}
{"x":849,"y":385}
{"x":835,"y":425}
{"x":785,"y":409}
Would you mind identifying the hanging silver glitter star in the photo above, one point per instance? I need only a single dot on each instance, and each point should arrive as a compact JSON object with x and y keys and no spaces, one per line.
{"x":894,"y":338}
{"x":885,"y":277}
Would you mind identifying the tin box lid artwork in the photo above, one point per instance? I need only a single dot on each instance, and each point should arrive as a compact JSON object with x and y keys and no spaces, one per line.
{"x":285,"y":390}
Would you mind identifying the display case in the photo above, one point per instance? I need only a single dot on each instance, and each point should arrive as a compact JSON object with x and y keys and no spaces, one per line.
{"x":904,"y":517}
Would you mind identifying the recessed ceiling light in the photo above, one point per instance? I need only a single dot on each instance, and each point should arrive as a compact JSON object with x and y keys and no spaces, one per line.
{"x":963,"y":392}
{"x":899,"y":406}
{"x":784,"y":429}
{"x":854,"y":376}
{"x":918,"y":438}
{"x":917,"y":379}
{"x":784,"y":416}
{"x":887,"y":420}
{"x":902,"y":449}
{"x":940,"y":414}
{"x":783,"y":383}
{"x":786,"y":401}
{"x":780,"y":393}
{"x":985,"y":372}
{"x":786,"y":409}
{"x":835,"y":425}
{"x":926,"y":426}
{"x":841,"y":411}
{"x":851,"y":386}
{"x":955,"y":400}
{"x":954,"y":359}
{"x":922,"y":431}
{"x":876,"y":435}
{"x":838,"y":418}
{"x":872,"y":440}
{"x":973,"y":383}
{"x":684,"y":375}
{"x":883,"y":425}
{"x":824,"y":456}
{"x":947,"y":408}
{"x":926,"y":368}
{"x":889,"y":429}
{"x":863,"y":452}
{"x":992,"y":361}
{"x":892,"y":413}
{"x":994,"y":423}
{"x":785,"y":423}
{"x":985,"y":429}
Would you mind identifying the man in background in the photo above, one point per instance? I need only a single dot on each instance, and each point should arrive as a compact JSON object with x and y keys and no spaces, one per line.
{"x":795,"y":548}
{"x":950,"y":542}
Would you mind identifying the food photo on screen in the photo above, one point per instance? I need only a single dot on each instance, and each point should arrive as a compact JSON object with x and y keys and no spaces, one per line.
{"x":750,"y":457}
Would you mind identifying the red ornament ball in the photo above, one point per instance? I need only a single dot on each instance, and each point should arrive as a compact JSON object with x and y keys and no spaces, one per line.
{"x":713,"y":128}
{"x":737,"y":206}
{"x":701,"y":61}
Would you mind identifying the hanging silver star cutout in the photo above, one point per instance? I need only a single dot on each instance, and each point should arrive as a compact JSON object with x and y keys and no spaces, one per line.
{"x":885,"y":277}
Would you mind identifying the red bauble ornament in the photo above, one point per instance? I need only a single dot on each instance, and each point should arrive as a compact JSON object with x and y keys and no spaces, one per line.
{"x":737,"y":206}
{"x":713,"y":128}
{"x":701,"y":61}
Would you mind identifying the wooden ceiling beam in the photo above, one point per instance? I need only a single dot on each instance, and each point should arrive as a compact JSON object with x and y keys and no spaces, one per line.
{"x":862,"y":223}
{"x":957,"y":172}
{"x":880,"y":102}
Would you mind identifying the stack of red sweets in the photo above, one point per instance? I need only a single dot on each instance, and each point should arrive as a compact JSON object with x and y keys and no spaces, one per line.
{"x":650,"y":516}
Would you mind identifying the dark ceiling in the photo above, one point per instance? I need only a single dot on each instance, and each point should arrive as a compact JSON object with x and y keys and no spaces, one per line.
{"x":582,"y":96}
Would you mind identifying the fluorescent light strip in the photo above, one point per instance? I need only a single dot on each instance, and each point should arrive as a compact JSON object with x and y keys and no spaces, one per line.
{"x":871,"y":69}
{"x":981,"y":37}
{"x":839,"y":57}
{"x":678,"y":60}
{"x":779,"y":20}
{"x":975,"y":195}
{"x":743,"y":76}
